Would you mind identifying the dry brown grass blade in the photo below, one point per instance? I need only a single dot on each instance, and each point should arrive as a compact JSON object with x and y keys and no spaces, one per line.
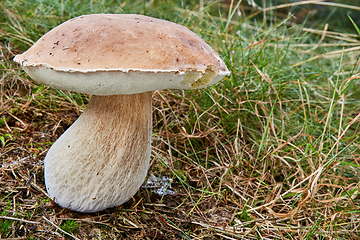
{"x":318,"y":2}
{"x":343,"y":133}
{"x":323,"y":35}
{"x":336,"y":52}
{"x":332,"y":200}
{"x":308,"y":192}
{"x":348,"y":37}
{"x":306,"y":45}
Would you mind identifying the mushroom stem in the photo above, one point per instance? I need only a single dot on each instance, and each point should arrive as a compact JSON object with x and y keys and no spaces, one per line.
{"x":102,"y":159}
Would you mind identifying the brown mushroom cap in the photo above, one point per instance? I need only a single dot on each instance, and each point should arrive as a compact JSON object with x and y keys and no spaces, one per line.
{"x":106,"y":54}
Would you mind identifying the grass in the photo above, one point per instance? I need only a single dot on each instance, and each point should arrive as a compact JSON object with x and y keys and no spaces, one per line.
{"x":271,"y":152}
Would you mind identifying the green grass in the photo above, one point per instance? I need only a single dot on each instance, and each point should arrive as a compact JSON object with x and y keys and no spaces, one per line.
{"x":5,"y":228}
{"x":272,"y":151}
{"x":70,"y":226}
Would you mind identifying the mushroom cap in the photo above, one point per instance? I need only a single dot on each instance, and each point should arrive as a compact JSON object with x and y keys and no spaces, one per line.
{"x":108,"y":54}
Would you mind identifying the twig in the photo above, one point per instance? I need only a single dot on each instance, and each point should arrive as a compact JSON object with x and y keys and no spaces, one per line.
{"x":59,"y":228}
{"x":33,"y":184}
{"x":17,"y":219}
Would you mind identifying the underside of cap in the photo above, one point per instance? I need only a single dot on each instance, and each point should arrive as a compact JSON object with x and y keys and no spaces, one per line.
{"x":117,"y":82}
{"x":93,"y":53}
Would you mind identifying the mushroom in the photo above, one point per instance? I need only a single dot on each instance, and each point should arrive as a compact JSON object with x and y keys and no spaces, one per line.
{"x":102,"y":159}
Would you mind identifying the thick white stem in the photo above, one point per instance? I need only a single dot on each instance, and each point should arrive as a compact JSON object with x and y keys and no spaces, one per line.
{"x":102,"y":159}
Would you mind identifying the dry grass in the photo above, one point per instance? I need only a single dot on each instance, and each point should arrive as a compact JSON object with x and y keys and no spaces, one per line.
{"x":272,"y":152}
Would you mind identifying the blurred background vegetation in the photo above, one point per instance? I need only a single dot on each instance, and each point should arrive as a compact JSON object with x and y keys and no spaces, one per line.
{"x":312,"y":14}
